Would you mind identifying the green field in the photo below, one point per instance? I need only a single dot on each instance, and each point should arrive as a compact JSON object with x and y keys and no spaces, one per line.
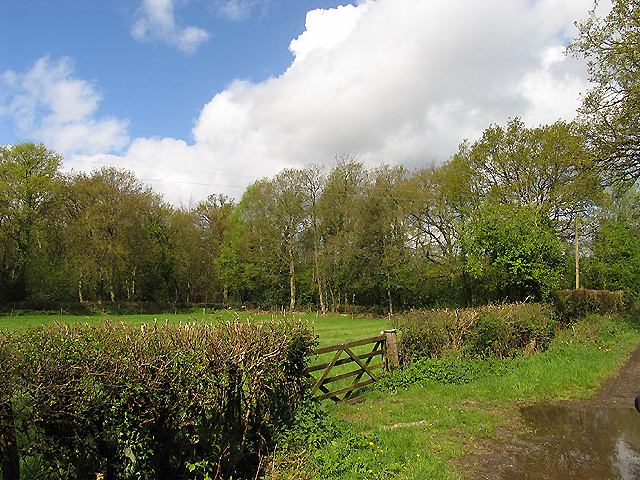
{"x":331,"y":328}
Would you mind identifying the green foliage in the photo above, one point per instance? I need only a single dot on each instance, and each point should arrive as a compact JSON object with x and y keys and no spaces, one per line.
{"x":615,"y":262}
{"x":490,"y":225}
{"x":449,"y":371}
{"x":319,"y":446}
{"x":609,"y":111}
{"x":510,"y":329}
{"x":151,"y":402}
{"x":514,"y":253}
{"x":30,"y":187}
{"x":572,"y":304}
{"x":494,"y":331}
{"x":312,"y":427}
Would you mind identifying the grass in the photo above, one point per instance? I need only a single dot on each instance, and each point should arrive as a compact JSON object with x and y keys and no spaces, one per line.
{"x":421,"y":431}
{"x":331,"y":328}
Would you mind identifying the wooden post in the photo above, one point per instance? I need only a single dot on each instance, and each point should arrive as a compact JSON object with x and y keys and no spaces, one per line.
{"x":392,"y":348}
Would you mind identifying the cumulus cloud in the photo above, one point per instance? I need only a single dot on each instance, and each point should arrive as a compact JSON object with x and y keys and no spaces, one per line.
{"x":49,"y":104}
{"x":404,"y":82}
{"x":397,"y":81}
{"x":156,"y":22}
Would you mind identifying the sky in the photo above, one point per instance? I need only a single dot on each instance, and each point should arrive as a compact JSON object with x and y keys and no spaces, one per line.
{"x":201,"y":97}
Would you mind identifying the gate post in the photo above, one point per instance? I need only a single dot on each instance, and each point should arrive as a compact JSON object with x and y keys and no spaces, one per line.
{"x":392,"y":349}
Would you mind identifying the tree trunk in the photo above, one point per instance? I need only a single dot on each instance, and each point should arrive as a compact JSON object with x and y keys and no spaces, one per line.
{"x":292,"y":282}
{"x":316,"y":260}
{"x":133,"y":281}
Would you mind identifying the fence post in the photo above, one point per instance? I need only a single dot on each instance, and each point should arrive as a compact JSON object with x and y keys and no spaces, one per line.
{"x":392,"y":348}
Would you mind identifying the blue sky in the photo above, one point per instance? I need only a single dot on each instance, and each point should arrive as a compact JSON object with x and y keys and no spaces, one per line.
{"x":204,"y":96}
{"x":160,"y":89}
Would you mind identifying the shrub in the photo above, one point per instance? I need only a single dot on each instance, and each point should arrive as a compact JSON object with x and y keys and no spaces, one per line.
{"x":570,"y":305}
{"x":507,"y":330}
{"x":119,"y":402}
{"x":493,"y":331}
{"x":433,"y":333}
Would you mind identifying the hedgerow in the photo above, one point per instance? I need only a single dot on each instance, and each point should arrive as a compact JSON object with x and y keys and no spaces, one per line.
{"x":112,"y":401}
{"x":493,"y":331}
{"x":570,"y":305}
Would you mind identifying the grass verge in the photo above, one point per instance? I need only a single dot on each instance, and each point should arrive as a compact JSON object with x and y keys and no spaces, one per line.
{"x":417,"y":429}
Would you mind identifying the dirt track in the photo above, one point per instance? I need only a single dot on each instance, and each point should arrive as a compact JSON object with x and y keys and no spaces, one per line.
{"x":623,"y":389}
{"x":489,"y":459}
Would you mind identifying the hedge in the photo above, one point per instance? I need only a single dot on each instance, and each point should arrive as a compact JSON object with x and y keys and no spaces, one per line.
{"x":113,"y":402}
{"x":493,"y":331}
{"x":573,"y":304}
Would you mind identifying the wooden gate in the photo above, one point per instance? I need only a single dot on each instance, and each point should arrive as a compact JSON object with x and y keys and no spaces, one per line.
{"x":384,"y":346}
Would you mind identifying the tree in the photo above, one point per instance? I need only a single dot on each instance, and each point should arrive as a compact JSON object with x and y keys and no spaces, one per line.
{"x":441,"y":199}
{"x":313,"y":182}
{"x":610,"y":111}
{"x":340,"y":208}
{"x":547,"y":167}
{"x":514,"y":252}
{"x":29,"y":187}
{"x":110,"y":212}
{"x":254,"y":254}
{"x":615,"y":261}
{"x":212,"y":219}
{"x":382,"y":254}
{"x":287,"y":214}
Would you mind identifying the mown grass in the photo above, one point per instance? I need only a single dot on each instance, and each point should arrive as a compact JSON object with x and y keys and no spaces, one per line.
{"x":330,"y":329}
{"x":419,"y":431}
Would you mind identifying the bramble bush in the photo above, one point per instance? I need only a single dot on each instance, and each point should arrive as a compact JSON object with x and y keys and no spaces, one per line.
{"x":493,"y":331}
{"x":572,"y":304}
{"x":181,"y":402}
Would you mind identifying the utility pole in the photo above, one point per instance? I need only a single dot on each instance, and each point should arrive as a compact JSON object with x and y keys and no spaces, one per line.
{"x":577,"y":256}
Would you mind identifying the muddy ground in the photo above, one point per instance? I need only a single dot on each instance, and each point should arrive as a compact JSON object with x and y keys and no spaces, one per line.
{"x":491,"y":458}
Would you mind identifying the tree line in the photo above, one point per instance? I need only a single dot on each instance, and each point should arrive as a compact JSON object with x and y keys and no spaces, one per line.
{"x":507,"y":217}
{"x":496,"y":221}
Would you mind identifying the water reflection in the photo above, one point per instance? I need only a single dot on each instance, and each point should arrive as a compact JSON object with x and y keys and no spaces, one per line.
{"x":598,"y":443}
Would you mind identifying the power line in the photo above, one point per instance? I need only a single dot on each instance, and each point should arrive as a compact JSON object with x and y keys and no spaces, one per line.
{"x":163,"y":168}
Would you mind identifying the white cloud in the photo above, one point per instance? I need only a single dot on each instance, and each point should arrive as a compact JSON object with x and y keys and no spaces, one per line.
{"x":403,"y":82}
{"x":326,"y":29}
{"x":235,"y":9}
{"x":49,"y":104}
{"x":396,"y":81}
{"x":156,"y":22}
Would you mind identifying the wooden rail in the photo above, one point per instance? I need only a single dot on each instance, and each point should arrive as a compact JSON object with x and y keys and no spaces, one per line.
{"x":384,"y":346}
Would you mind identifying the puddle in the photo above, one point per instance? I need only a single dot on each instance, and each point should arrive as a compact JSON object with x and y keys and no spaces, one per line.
{"x":597,"y":444}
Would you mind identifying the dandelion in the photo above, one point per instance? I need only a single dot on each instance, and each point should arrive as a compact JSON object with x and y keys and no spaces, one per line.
{"x":371,"y":443}
{"x":417,"y":454}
